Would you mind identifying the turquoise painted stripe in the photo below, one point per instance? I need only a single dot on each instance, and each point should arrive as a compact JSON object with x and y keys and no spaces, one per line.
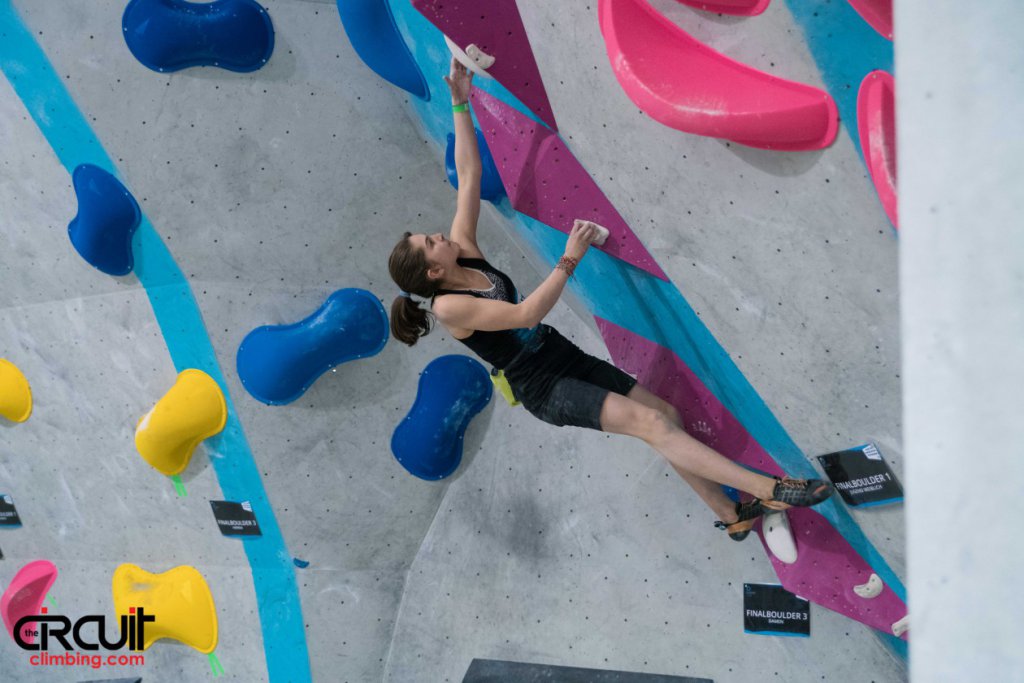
{"x":887,"y":501}
{"x":29,"y":71}
{"x":782,"y":634}
{"x":648,"y":306}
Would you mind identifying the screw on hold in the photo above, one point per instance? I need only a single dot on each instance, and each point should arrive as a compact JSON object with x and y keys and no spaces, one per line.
{"x":301,"y":564}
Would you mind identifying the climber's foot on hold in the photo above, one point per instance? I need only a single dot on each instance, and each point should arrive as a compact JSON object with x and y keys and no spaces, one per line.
{"x":797,"y":493}
{"x":746,"y":514}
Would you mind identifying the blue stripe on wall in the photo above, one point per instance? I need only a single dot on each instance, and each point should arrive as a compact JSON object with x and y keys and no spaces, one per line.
{"x":29,"y":71}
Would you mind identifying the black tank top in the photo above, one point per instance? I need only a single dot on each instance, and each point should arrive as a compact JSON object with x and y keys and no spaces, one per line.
{"x":496,"y":347}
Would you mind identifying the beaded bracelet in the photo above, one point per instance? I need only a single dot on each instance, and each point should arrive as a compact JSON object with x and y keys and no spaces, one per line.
{"x":567,"y":264}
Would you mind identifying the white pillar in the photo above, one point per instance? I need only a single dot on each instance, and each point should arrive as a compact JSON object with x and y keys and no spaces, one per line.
{"x":960,"y":108}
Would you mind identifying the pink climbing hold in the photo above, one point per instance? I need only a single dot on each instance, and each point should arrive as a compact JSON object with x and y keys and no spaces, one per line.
{"x":496,"y":28}
{"x":878,"y":14}
{"x":827,"y":567}
{"x":876,"y":124}
{"x":743,"y":8}
{"x":26,"y":593}
{"x":686,"y":85}
{"x":545,"y":181}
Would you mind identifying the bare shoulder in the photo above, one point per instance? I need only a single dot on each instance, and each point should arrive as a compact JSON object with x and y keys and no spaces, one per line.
{"x":444,"y":307}
{"x":444,"y":304}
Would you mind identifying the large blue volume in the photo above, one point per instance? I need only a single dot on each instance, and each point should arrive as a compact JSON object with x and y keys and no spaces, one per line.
{"x":428,"y":441}
{"x":107,"y":218}
{"x":278,"y":363}
{"x":168,"y":35}
{"x":375,"y":37}
{"x":491,"y":187}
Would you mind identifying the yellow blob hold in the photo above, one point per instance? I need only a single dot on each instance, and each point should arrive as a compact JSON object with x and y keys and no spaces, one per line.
{"x":194,"y":409}
{"x":179,"y":598}
{"x":15,"y":393}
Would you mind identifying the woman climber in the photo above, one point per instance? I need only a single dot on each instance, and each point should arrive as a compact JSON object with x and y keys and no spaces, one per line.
{"x":554,"y":379}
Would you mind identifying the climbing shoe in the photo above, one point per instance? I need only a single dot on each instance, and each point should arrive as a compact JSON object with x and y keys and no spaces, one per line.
{"x":747,"y":512}
{"x":797,"y":493}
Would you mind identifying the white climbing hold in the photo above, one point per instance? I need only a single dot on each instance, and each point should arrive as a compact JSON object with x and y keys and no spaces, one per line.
{"x":778,"y":536}
{"x":602,"y":232}
{"x":478,"y":64}
{"x":871,"y":589}
{"x":479,"y":57}
{"x":901,"y":626}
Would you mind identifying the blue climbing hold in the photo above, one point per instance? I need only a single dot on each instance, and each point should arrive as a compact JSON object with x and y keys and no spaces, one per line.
{"x":278,"y":363}
{"x":491,"y":187}
{"x":107,"y":218}
{"x":168,"y":35}
{"x":301,"y":564}
{"x":374,"y":35}
{"x":428,"y":441}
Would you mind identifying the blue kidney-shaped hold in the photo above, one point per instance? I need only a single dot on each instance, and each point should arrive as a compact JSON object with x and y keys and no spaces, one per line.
{"x":428,"y":441}
{"x":491,"y":187}
{"x":278,"y":363}
{"x":108,"y":216}
{"x":169,"y":35}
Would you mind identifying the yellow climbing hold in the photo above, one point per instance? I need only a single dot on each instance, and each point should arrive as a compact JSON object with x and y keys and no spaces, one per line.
{"x":179,"y":598}
{"x":15,"y":393}
{"x":194,"y":409}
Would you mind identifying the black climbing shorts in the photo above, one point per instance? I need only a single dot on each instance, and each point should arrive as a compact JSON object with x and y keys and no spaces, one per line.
{"x":560,"y":384}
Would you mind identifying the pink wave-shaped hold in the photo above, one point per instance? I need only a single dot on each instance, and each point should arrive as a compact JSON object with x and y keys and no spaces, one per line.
{"x":496,"y":28}
{"x":545,"y":181}
{"x":743,"y":8}
{"x":876,"y":124}
{"x":878,"y":14}
{"x":827,"y":567}
{"x":25,"y":594}
{"x":686,"y":85}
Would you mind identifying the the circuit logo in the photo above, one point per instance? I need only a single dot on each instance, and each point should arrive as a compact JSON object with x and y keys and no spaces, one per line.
{"x":58,"y":627}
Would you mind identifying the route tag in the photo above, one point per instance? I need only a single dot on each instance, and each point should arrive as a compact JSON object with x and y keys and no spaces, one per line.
{"x":771,"y":610}
{"x":862,"y":476}
{"x":235,"y":519}
{"x":8,"y":514}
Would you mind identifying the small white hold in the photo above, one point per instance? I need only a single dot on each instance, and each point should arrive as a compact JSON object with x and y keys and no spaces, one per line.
{"x":602,"y":232}
{"x":478,"y":67}
{"x":901,"y":626}
{"x":871,"y":589}
{"x":779,"y":537}
{"x":479,"y":57}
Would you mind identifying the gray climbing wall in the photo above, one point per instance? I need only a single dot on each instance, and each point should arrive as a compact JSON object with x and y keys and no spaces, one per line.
{"x":555,"y":546}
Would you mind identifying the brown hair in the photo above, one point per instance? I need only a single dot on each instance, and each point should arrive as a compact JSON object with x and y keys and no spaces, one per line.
{"x":408,"y":267}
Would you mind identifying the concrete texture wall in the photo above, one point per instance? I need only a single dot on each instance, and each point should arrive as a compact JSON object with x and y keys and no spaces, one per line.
{"x":560,"y":546}
{"x":962,"y":258}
